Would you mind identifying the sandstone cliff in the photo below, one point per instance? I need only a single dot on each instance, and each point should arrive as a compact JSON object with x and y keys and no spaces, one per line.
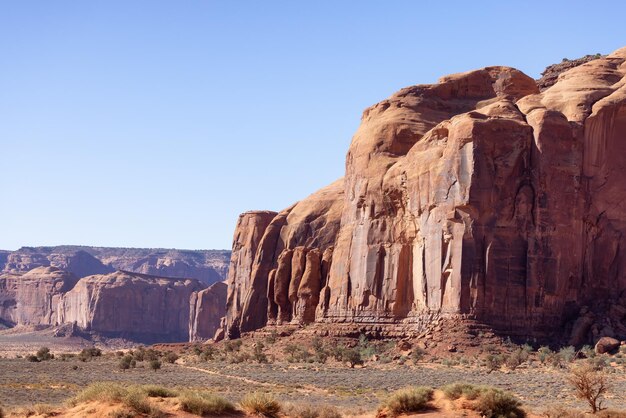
{"x":477,"y":197}
{"x":206,"y":309}
{"x":131,"y":305}
{"x":33,"y":298}
{"x":208,"y":266}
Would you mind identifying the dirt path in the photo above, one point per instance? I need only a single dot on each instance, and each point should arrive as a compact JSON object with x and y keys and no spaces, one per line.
{"x":303,"y":389}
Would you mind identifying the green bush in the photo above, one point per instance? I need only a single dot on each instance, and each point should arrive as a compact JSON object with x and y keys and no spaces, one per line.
{"x":133,"y":397}
{"x":258,"y":354}
{"x":495,"y":403}
{"x":408,"y":400}
{"x":205,"y":403}
{"x":567,"y":354}
{"x":260,"y":403}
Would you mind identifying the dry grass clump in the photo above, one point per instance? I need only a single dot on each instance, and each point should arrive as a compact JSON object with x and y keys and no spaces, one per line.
{"x":610,"y":413}
{"x":204,"y":403}
{"x":133,"y":397}
{"x":262,"y":404}
{"x":156,"y":391}
{"x":311,"y":411}
{"x":414,"y":399}
{"x":468,"y":391}
{"x":557,"y":411}
{"x":496,"y":403}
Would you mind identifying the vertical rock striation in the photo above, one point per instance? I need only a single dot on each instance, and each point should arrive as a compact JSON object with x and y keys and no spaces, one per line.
{"x":478,"y":196}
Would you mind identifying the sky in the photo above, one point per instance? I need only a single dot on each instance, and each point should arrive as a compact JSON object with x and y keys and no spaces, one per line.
{"x":156,"y":123}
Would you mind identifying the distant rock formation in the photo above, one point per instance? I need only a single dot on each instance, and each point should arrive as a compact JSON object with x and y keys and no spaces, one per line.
{"x":121,"y":304}
{"x":207,"y":308}
{"x":478,"y":197}
{"x":208,"y":266}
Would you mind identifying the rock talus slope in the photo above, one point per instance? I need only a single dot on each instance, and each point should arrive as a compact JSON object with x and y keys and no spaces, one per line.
{"x":479,"y":197}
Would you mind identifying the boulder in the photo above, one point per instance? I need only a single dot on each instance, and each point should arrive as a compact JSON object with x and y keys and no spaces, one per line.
{"x":607,"y":345}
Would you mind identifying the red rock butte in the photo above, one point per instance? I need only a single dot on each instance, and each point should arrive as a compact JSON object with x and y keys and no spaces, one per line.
{"x":478,"y":197}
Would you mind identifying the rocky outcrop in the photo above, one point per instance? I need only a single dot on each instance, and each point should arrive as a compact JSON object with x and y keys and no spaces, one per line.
{"x":131,"y":305}
{"x":207,"y":308}
{"x":477,"y":197}
{"x":33,"y":298}
{"x":269,"y":244}
{"x":551,"y":74}
{"x":208,"y":266}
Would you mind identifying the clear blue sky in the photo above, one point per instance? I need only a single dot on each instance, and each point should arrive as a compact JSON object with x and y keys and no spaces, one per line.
{"x":155,"y":123}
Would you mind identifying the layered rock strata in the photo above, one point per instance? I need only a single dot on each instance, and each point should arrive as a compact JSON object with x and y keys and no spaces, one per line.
{"x":477,"y":197}
{"x":121,"y":304}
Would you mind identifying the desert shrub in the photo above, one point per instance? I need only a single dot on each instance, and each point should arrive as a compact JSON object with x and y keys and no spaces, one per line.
{"x":494,"y":361}
{"x":138,"y":354}
{"x":516,"y":358}
{"x":567,"y":354}
{"x":495,"y":403}
{"x":408,"y":400}
{"x":543,"y":353}
{"x":67,"y":356}
{"x":590,"y":385}
{"x":44,"y":354}
{"x":319,"y":351}
{"x":560,"y":412}
{"x":366,"y":349}
{"x":352,"y":356}
{"x":417,"y":354}
{"x":155,"y":364}
{"x":208,"y":353}
{"x":232,"y":346}
{"x":610,"y":413}
{"x":311,"y":411}
{"x":588,"y":351}
{"x":44,"y":409}
{"x":122,"y":413}
{"x":171,"y":357}
{"x":260,"y":403}
{"x":238,"y":357}
{"x":126,"y":362}
{"x":297,"y":353}
{"x":258,"y":354}
{"x":133,"y":397}
{"x":272,"y":338}
{"x":89,"y":353}
{"x":151,"y":355}
{"x":457,"y":390}
{"x":155,"y":391}
{"x":205,"y":403}
{"x":32,"y":358}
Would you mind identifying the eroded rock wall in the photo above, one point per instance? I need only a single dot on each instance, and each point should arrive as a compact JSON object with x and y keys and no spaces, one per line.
{"x":478,"y":196}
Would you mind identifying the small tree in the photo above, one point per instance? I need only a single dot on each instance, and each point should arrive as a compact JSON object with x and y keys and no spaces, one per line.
{"x":125,"y":362}
{"x":171,"y":357}
{"x":590,"y":385}
{"x":155,"y":365}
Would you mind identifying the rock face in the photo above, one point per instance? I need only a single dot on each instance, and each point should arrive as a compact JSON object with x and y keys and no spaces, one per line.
{"x":33,"y":298}
{"x":207,"y":308}
{"x":477,"y":197}
{"x":134,"y":306}
{"x":208,"y":266}
{"x":131,"y":305}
